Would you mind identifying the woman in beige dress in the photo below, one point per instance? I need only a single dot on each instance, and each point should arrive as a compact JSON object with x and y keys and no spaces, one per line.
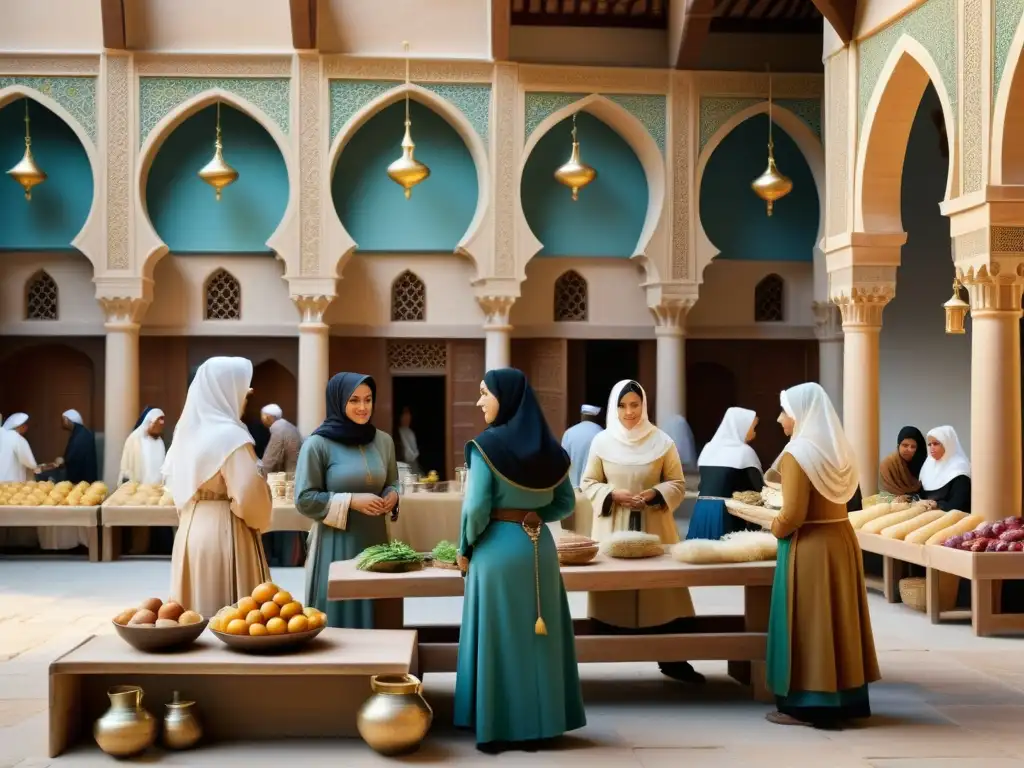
{"x":634,"y":480}
{"x":223,"y":503}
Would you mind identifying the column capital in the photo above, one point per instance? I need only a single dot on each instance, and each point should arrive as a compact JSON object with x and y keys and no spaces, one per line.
{"x":497,"y":310}
{"x":827,"y":321}
{"x":862,"y":306}
{"x":312,"y":307}
{"x":993,"y":288}
{"x":122,"y":313}
{"x":670,"y":315}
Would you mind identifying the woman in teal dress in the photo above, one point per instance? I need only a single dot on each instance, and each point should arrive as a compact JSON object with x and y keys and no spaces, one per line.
{"x":346,"y":481}
{"x":517,"y":682}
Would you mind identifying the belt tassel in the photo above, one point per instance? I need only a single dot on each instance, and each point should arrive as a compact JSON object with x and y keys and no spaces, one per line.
{"x":539,"y":628}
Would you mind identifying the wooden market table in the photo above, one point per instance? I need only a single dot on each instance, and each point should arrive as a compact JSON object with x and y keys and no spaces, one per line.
{"x":987,"y":571}
{"x":741,"y":640}
{"x":56,"y":517}
{"x":895,"y":555}
{"x":313,"y":692}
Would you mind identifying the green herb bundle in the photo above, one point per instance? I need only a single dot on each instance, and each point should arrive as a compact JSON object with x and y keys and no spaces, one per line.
{"x":392,"y":552}
{"x":445,"y":552}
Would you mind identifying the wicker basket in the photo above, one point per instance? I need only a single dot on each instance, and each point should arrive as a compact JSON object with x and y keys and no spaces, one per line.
{"x":442,"y":564}
{"x":914,"y":592}
{"x":577,"y":555}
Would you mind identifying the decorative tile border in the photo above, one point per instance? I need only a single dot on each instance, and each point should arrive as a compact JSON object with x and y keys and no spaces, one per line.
{"x":159,"y":96}
{"x":76,"y":65}
{"x":76,"y":94}
{"x":422,"y":70}
{"x":933,"y":25}
{"x":163,"y":65}
{"x":649,"y":109}
{"x":539,"y":105}
{"x":716,"y":111}
{"x":970,"y":135}
{"x":1008,"y":14}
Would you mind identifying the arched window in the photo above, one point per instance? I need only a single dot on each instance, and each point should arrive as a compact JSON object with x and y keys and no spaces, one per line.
{"x":223,"y":296}
{"x":42,"y":300}
{"x":408,"y":298}
{"x":570,"y":298}
{"x":768,"y":300}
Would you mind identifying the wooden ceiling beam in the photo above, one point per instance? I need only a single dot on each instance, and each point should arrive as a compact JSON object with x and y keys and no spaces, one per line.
{"x":303,"y":24}
{"x":689,"y":26}
{"x":840,"y":14}
{"x":112,"y":14}
{"x":501,"y":29}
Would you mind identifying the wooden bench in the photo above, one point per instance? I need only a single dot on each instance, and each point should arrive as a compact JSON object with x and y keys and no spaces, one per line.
{"x":52,"y":517}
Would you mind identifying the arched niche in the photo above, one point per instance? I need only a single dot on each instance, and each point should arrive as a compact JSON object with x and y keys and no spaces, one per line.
{"x":272,"y":383}
{"x":735,"y":219}
{"x":182,"y":207}
{"x":373,"y":208}
{"x":609,"y":215}
{"x":56,"y":216}
{"x":886,"y":130}
{"x":1008,"y":118}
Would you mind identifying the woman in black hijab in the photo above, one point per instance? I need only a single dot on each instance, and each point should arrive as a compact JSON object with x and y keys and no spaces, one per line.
{"x":346,"y":481}
{"x":517,"y":682}
{"x":900,"y":471}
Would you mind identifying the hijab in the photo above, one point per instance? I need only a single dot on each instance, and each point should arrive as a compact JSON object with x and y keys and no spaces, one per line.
{"x":15,"y":420}
{"x":210,"y":428}
{"x":643,"y":444}
{"x":73,"y":416}
{"x":338,"y":426}
{"x":678,"y":428}
{"x":899,"y":477}
{"x":819,"y":443}
{"x":142,"y":416}
{"x":518,"y":445}
{"x":151,"y":452}
{"x":729,"y":447}
{"x":954,"y":462}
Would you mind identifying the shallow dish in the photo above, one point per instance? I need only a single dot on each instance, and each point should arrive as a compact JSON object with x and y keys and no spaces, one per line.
{"x":396,"y":567}
{"x":578,"y":555}
{"x":157,"y":639}
{"x":267,"y":643}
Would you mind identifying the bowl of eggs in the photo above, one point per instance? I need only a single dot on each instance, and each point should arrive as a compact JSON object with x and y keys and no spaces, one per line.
{"x":158,"y":626}
{"x":269,"y":620}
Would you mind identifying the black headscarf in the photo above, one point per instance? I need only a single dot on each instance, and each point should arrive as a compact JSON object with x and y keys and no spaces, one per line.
{"x":338,"y":426}
{"x":142,"y":417}
{"x":80,"y":456}
{"x":913,"y":433}
{"x":518,"y":444}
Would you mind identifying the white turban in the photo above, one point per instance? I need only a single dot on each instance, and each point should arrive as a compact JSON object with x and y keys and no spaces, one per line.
{"x":273,"y":410}
{"x":590,"y":410}
{"x":15,"y":420}
{"x":73,"y":416}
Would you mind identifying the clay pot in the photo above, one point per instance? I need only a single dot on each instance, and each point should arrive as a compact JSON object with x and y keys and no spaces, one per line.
{"x":126,"y":729}
{"x":396,"y":718}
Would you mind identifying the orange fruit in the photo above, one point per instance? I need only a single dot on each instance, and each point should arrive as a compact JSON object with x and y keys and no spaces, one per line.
{"x":237,"y":627}
{"x":254,"y":617}
{"x":257,"y":630}
{"x":247,"y":604}
{"x":264,"y":592}
{"x":298,"y":623}
{"x":216,"y":624}
{"x":270,"y":609}
{"x":314,"y":621}
{"x":309,"y":611}
{"x":277,"y":626}
{"x":283,"y":597}
{"x":230,"y":615}
{"x":291,"y":609}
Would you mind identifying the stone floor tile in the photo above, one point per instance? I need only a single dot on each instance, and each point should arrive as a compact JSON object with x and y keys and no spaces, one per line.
{"x":760,"y":756}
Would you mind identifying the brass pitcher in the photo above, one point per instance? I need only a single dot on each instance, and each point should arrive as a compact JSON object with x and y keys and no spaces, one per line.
{"x":126,"y":729}
{"x":181,"y":727}
{"x":396,"y":718}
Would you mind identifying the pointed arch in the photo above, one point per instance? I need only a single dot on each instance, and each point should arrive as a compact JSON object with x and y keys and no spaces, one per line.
{"x":571,"y":295}
{"x":643,"y":145}
{"x":882,"y":148}
{"x":339,"y":240}
{"x":42,"y":297}
{"x":1007,"y":149}
{"x":148,"y":242}
{"x":770,"y":299}
{"x":90,"y":238}
{"x":222,"y":296}
{"x":408,"y":298}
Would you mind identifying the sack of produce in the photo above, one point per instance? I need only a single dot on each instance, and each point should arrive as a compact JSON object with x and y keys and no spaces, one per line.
{"x":738,"y":547}
{"x":632,"y":544}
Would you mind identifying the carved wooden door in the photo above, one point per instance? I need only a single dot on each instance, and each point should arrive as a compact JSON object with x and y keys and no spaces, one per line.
{"x":544,"y":363}
{"x":465,"y":370}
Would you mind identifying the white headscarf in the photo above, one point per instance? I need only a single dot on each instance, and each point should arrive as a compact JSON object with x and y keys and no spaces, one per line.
{"x":73,"y":416}
{"x":643,"y":444}
{"x":15,"y":420}
{"x":729,"y":447}
{"x":210,"y":427}
{"x":144,"y":455}
{"x":273,"y":409}
{"x":954,"y":462}
{"x":819,"y":443}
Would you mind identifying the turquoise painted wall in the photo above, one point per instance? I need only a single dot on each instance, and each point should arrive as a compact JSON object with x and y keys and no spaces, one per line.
{"x":734,"y":217}
{"x":182,"y":206}
{"x":59,"y":206}
{"x":373,"y":208}
{"x":609,"y":215}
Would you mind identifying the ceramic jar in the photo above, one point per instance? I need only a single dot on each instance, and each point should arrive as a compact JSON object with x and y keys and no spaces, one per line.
{"x":181,"y":726}
{"x":396,"y":718}
{"x":126,"y":729}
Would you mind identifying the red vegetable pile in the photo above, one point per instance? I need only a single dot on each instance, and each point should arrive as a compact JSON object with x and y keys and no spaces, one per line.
{"x":1005,"y":536}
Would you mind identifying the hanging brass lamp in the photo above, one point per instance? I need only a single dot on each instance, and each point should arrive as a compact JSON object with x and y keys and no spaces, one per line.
{"x":956,"y":310}
{"x":26,"y":172}
{"x":407,"y":171}
{"x":771,"y":185}
{"x":217,"y":173}
{"x":575,"y":174}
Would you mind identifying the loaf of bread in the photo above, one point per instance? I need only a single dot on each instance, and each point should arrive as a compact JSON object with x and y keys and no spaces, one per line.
{"x":879,"y":524}
{"x":968,"y":523}
{"x":859,"y":519}
{"x":900,"y":531}
{"x":947,"y":520}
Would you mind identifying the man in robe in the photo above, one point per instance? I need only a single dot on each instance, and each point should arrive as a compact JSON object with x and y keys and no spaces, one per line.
{"x":283,"y":548}
{"x":17,"y":465}
{"x":577,"y":439}
{"x":141,"y":462}
{"x":80,"y":454}
{"x":409,"y":449}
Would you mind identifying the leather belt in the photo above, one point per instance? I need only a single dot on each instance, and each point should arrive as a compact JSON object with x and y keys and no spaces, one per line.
{"x":510,"y":515}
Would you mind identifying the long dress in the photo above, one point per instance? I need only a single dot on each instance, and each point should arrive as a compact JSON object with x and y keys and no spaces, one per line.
{"x":218,"y":556}
{"x":711,"y":520}
{"x":512,"y":684}
{"x":327,"y":468}
{"x":821,"y":652}
{"x":649,"y":607}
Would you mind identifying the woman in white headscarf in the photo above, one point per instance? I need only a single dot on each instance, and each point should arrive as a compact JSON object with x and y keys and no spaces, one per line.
{"x":727,"y":465}
{"x":946,"y":473}
{"x":821,"y":653}
{"x":223,"y":503}
{"x":17,"y":465}
{"x":634,"y":481}
{"x":142,"y":462}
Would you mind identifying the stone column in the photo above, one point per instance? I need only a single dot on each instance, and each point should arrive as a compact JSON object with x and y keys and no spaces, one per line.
{"x":497,"y":331}
{"x":828,"y":328}
{"x":669,"y":331}
{"x":314,"y":361}
{"x":862,"y":323}
{"x":121,"y":379}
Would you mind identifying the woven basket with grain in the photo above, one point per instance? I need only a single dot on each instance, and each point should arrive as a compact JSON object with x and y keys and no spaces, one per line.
{"x":632,"y":544}
{"x":753,"y":498}
{"x":577,"y":556}
{"x":913,"y":592}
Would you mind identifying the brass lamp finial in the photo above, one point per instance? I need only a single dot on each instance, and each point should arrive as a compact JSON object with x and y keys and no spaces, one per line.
{"x":574,"y":173}
{"x":407,"y":171}
{"x":26,"y":172}
{"x":217,"y":173}
{"x":771,"y":185}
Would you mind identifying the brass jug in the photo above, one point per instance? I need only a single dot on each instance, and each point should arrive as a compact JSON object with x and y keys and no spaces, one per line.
{"x":396,"y":718}
{"x":181,"y":727}
{"x":126,"y":729}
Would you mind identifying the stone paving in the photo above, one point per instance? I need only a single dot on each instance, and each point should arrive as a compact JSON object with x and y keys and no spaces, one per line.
{"x":948,"y":699}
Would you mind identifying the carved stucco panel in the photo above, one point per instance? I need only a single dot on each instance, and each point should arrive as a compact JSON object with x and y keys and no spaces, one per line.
{"x":838,"y":169}
{"x":76,"y":94}
{"x":649,"y":109}
{"x":421,"y":72}
{"x":1008,"y":14}
{"x":680,"y":179}
{"x":309,"y":165}
{"x":504,"y":161}
{"x":971,"y":135}
{"x":715,"y":111}
{"x":117,"y":96}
